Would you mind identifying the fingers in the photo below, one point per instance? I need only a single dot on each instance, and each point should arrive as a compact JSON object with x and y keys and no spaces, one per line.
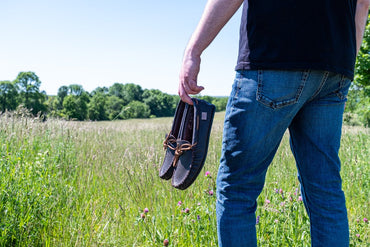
{"x":192,"y":88}
{"x":188,"y":78}
{"x":188,"y":87}
{"x":185,"y":97}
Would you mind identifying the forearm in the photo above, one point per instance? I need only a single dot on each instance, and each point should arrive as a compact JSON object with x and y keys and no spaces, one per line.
{"x":216,"y":14}
{"x":362,"y":9}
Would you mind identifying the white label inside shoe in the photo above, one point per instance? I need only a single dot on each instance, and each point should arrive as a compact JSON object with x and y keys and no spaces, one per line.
{"x":204,"y":115}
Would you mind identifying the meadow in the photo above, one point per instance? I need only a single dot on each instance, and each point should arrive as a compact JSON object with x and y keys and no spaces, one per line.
{"x":96,"y":184}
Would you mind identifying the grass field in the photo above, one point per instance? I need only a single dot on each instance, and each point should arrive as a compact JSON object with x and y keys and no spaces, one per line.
{"x":96,"y":184}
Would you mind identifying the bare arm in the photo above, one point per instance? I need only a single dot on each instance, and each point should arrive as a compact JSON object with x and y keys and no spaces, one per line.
{"x":362,"y":9}
{"x":216,"y":14}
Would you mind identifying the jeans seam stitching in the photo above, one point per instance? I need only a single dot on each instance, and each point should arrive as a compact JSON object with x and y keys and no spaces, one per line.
{"x":323,"y":80}
{"x":303,"y":83}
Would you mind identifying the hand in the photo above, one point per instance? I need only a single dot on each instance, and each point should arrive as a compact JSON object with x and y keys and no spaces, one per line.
{"x":188,"y":78}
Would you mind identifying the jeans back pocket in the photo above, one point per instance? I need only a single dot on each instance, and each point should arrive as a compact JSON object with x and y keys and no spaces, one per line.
{"x":279,"y":88}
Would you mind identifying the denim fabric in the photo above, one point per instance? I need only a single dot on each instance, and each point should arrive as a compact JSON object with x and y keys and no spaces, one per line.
{"x":263,"y":104}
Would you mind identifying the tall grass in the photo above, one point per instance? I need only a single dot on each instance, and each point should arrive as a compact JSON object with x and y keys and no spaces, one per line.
{"x":96,"y":184}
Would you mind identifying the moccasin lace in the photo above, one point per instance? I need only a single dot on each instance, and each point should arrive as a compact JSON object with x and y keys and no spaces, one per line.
{"x":169,"y":139}
{"x":181,"y":147}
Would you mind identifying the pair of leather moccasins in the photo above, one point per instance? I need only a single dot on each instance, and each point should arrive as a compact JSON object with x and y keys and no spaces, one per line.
{"x":187,"y":144}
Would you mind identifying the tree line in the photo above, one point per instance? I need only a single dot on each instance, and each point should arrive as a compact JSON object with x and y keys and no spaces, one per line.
{"x":119,"y":101}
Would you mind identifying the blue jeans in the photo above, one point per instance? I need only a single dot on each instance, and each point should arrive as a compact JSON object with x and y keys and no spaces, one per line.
{"x":263,"y":104}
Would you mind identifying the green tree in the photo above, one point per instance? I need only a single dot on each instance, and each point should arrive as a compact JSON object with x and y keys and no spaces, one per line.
{"x":116,"y":90}
{"x":74,"y":102}
{"x":220,"y":103}
{"x":53,"y":106}
{"x":160,"y":104}
{"x":75,"y":107}
{"x":28,"y":84}
{"x":114,"y":107}
{"x":96,"y":107}
{"x":75,"y":89}
{"x":101,"y":90}
{"x":132,"y":92}
{"x":62,"y":93}
{"x":8,"y":96}
{"x":135,"y":109}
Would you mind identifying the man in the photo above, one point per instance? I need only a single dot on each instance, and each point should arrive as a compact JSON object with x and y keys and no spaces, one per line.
{"x":296,"y":60}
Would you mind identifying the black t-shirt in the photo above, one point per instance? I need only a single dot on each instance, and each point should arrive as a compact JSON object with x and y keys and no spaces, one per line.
{"x":298,"y":34}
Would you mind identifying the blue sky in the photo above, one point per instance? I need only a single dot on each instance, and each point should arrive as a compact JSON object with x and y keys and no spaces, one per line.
{"x":97,"y":43}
